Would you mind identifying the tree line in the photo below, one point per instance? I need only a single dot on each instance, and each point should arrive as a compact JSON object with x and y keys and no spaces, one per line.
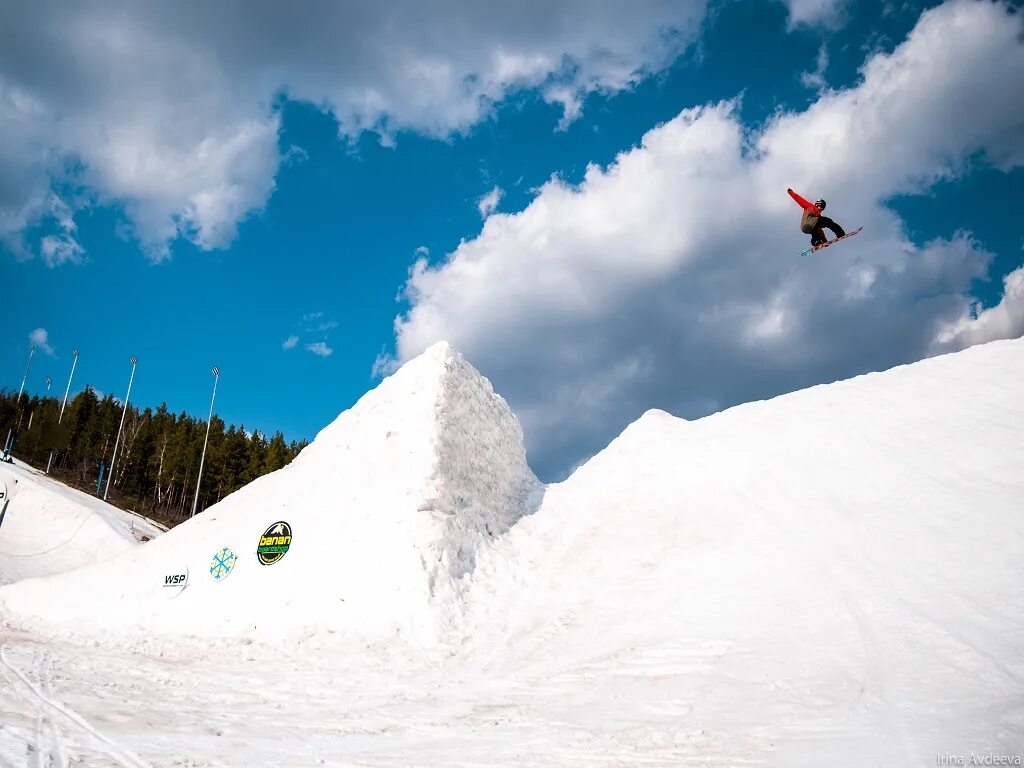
{"x":158,"y":455}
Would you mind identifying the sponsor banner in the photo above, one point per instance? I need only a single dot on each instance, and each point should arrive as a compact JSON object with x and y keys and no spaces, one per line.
{"x":274,"y":543}
{"x":175,"y":583}
{"x":223,"y":563}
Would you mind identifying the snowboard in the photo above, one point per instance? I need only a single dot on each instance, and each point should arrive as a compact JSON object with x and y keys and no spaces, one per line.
{"x":827,"y":243}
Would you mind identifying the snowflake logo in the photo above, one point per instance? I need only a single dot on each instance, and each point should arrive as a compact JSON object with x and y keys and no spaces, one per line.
{"x":223,"y":563}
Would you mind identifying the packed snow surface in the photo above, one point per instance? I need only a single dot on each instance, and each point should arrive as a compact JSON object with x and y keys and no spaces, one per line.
{"x":832,"y":577}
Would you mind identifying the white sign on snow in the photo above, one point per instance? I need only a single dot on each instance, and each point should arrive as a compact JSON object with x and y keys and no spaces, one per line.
{"x":175,"y":583}
{"x":223,"y":563}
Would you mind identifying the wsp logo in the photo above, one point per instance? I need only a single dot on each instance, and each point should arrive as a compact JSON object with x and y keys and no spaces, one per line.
{"x":175,"y":583}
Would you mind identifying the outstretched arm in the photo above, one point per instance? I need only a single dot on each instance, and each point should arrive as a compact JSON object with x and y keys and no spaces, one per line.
{"x":799,"y":200}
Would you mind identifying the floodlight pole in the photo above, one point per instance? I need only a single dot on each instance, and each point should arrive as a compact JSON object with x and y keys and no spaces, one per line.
{"x":31,"y":351}
{"x":113,"y":456}
{"x":65,"y":402}
{"x":202,"y":460}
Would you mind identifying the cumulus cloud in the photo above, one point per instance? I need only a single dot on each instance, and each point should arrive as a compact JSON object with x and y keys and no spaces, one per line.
{"x":488,"y":204}
{"x":1003,"y":321}
{"x":290,"y":343}
{"x":320,"y":349}
{"x":671,"y":279}
{"x":168,"y":109}
{"x":40,"y":337}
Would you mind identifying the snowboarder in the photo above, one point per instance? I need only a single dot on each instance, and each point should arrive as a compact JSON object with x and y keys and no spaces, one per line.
{"x":813,"y":223}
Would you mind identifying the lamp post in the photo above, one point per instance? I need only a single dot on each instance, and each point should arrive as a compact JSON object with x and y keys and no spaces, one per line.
{"x":31,"y":352}
{"x":202,"y":460}
{"x":113,"y":456}
{"x":64,"y":402}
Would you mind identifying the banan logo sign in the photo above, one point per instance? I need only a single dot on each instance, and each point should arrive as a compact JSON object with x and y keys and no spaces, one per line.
{"x":274,"y":543}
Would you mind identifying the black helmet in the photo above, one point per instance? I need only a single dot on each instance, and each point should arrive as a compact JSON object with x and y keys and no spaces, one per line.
{"x":820,"y":204}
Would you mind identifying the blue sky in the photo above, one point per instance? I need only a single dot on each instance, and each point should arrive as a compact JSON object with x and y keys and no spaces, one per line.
{"x":326,"y":237}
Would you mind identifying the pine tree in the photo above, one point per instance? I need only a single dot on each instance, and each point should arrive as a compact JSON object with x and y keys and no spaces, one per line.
{"x":277,"y":454}
{"x":158,"y":455}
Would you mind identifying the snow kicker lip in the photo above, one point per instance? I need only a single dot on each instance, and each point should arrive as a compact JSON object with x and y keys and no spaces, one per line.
{"x":274,"y":543}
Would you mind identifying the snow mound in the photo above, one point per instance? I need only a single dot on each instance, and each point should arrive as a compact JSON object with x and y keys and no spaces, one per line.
{"x":385,"y":512}
{"x":50,"y":528}
{"x":850,"y":555}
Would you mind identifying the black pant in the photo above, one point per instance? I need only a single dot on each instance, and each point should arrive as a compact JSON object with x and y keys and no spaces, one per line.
{"x":818,"y":235}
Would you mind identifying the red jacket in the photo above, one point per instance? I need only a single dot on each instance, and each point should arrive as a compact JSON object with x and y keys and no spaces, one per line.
{"x":804,"y":204}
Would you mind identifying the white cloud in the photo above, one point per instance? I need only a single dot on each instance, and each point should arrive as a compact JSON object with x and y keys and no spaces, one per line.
{"x":1003,"y":321}
{"x":290,"y":342}
{"x":569,"y":99}
{"x":60,"y":249}
{"x":671,"y":278}
{"x":320,"y":349}
{"x":317,"y":322}
{"x":816,"y":79}
{"x":40,"y":337}
{"x":826,"y":13}
{"x":168,"y":109}
{"x":488,"y":204}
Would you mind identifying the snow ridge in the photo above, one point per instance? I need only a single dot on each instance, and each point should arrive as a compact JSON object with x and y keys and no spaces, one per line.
{"x":481,"y":484}
{"x":388,"y":507}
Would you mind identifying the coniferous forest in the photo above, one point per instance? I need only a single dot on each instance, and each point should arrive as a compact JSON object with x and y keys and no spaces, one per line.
{"x":158,"y":456}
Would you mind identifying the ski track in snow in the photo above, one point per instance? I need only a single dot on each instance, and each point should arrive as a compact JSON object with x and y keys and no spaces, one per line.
{"x":42,"y":697}
{"x":360,"y":710}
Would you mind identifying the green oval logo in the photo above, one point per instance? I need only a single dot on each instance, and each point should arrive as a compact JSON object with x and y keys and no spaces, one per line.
{"x":274,"y":543}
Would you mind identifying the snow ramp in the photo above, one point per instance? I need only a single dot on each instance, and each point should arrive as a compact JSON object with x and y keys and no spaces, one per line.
{"x":368,"y":532}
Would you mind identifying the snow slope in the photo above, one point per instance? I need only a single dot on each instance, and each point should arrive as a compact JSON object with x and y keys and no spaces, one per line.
{"x":852,"y":552}
{"x":387,"y":507}
{"x":51,"y":528}
{"x":833,"y":577}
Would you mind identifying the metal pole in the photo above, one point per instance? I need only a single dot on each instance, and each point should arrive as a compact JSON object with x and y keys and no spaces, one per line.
{"x":17,"y":403}
{"x":66,"y":391}
{"x":3,"y":501}
{"x":31,"y":351}
{"x":202,"y":460}
{"x":113,"y":456}
{"x":64,"y":403}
